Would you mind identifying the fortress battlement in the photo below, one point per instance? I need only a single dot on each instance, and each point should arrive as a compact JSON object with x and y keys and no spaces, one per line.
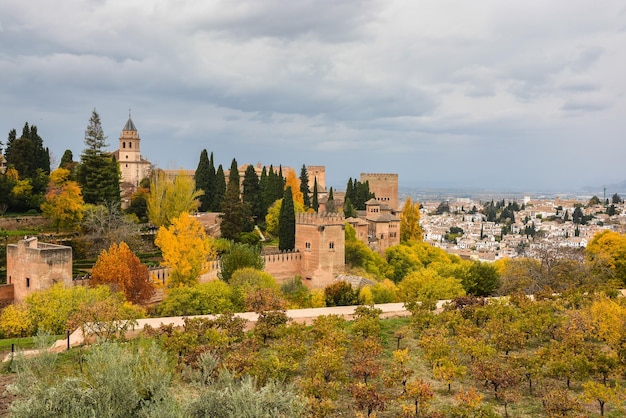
{"x":320,"y":219}
{"x":379,"y":175}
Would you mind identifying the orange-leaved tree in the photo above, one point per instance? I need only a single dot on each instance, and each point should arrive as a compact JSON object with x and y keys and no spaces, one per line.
{"x":186,"y":250}
{"x":119,"y":268}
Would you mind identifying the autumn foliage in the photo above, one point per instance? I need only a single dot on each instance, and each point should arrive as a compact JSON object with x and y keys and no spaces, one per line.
{"x":122,"y":270}
{"x":186,"y":249}
{"x":64,"y":202}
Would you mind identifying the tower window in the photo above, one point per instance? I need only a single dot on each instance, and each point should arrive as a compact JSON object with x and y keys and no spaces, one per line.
{"x":331,"y":245}
{"x":28,"y":282}
{"x":123,"y":144}
{"x":130,"y":145}
{"x":307,"y":246}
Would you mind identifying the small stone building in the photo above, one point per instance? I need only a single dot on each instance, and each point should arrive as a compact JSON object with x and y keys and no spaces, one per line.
{"x":33,"y":266}
{"x":384,"y":225}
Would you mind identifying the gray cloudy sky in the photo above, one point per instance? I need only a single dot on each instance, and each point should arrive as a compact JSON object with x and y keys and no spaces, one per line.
{"x":523,"y":95}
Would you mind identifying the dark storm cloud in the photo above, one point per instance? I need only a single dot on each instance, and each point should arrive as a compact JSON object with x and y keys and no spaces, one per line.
{"x":357,"y":85}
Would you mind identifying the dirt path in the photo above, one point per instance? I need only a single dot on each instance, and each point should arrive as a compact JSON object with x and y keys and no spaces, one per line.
{"x":5,"y":397}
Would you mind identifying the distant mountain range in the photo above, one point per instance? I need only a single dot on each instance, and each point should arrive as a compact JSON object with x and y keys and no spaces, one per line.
{"x":619,"y":188}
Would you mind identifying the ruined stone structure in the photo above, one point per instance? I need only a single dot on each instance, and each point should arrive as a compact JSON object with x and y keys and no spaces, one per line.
{"x":133,"y":167}
{"x":384,"y":187}
{"x":33,"y":266}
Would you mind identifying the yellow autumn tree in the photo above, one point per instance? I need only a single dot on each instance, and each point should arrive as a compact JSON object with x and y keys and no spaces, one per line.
{"x":64,"y":203}
{"x":186,"y":250}
{"x":607,"y":253}
{"x":169,"y":198}
{"x":15,"y":321}
{"x":120,"y":269}
{"x":410,"y":229}
{"x":273,"y":214}
{"x":292,"y":180}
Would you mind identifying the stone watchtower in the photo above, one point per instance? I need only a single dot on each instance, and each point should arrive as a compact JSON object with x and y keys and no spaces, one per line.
{"x":320,"y":238}
{"x":33,"y":266}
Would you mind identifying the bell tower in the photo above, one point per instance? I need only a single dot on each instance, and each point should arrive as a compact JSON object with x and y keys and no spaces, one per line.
{"x":129,"y":142}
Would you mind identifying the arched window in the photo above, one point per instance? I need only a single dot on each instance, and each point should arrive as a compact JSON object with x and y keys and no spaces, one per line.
{"x":123,"y":144}
{"x":130,"y":145}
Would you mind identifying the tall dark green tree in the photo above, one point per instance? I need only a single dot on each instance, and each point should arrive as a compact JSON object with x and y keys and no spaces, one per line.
{"x":616,"y":199}
{"x":263,"y":187}
{"x":27,"y":154}
{"x":331,"y":207}
{"x":578,"y":217}
{"x":220,"y":189}
{"x":252,"y":192}
{"x":201,"y":177}
{"x":67,"y":160}
{"x":235,"y":213}
{"x":304,"y":186}
{"x":211,"y":191}
{"x":350,"y":194}
{"x":348,"y":209}
{"x":315,"y":199}
{"x":99,"y":173}
{"x":361,"y":194}
{"x":287,"y":223}
{"x":273,"y":187}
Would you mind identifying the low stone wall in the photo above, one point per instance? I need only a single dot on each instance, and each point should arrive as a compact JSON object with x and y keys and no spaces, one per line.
{"x":283,"y":266}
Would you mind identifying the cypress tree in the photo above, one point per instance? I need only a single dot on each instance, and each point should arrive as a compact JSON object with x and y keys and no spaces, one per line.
{"x":348,"y":209}
{"x":232,"y":207}
{"x":220,"y":189}
{"x":361,"y":194}
{"x":315,"y":200}
{"x":350,"y":190}
{"x":202,"y":180}
{"x":263,"y":188}
{"x":233,"y":174}
{"x":212,"y":186}
{"x":304,"y":186}
{"x":252,"y":192}
{"x":268,"y":188}
{"x":280,"y":183}
{"x":287,"y":223}
{"x":330,"y":202}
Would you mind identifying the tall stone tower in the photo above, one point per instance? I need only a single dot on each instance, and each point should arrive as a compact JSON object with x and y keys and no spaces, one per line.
{"x":317,"y":172}
{"x":133,"y":167}
{"x":384,"y":187}
{"x":321,"y":240}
